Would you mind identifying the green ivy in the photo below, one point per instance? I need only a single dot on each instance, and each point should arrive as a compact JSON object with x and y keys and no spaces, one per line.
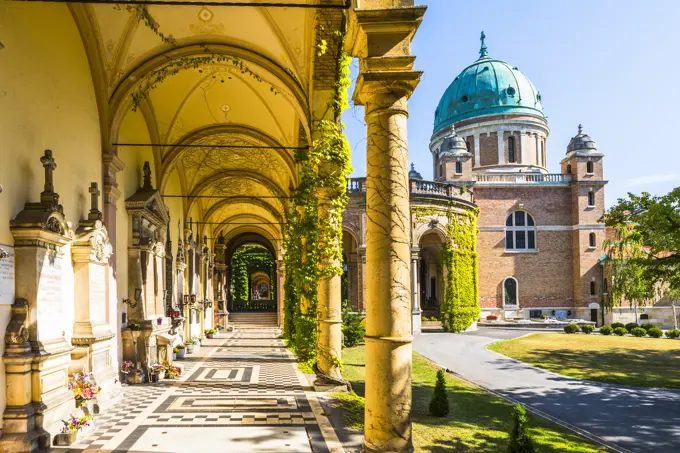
{"x":312,"y":232}
{"x":247,"y":260}
{"x":460,"y":307}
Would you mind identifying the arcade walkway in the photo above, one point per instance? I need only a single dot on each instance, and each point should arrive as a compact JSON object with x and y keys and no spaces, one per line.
{"x":240,"y":392}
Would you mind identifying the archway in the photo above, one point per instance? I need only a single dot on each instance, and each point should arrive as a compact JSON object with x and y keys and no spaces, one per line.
{"x":351,"y":280}
{"x":430,"y":273}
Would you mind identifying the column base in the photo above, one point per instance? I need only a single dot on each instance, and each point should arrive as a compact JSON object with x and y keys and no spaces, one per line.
{"x":416,"y":323}
{"x":21,"y":435}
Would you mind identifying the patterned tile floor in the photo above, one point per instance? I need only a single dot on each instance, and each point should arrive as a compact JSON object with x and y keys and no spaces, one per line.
{"x":240,"y":392}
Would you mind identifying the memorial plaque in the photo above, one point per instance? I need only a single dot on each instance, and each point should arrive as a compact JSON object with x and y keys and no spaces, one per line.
{"x":97,"y":294}
{"x":6,"y":275}
{"x":49,"y":297}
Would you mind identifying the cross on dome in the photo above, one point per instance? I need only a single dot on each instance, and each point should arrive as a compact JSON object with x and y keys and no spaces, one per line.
{"x":482,"y":50}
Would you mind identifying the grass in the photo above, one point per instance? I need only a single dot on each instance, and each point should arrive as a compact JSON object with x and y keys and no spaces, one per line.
{"x":640,"y":362}
{"x":478,"y":422}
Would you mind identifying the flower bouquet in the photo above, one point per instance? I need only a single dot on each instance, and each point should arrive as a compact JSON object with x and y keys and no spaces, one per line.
{"x":72,"y":426}
{"x":171,"y":372}
{"x":84,"y":388}
{"x":156,"y":372}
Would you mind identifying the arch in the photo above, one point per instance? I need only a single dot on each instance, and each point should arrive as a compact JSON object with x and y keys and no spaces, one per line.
{"x":590,"y":167}
{"x":591,"y":199}
{"x":245,"y":200}
{"x":120,"y":99}
{"x":592,"y":240}
{"x":510,"y":292}
{"x":520,"y":232}
{"x":459,"y":167}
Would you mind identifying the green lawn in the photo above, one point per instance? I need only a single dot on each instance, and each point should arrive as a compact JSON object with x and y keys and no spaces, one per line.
{"x":641,"y":362}
{"x":478,"y":422}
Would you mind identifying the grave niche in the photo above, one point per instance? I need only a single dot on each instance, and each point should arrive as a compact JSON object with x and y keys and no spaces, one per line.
{"x":146,"y":338}
{"x":92,"y":333}
{"x":37,"y":354}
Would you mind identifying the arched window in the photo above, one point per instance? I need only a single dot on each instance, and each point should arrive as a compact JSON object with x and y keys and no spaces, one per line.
{"x":510,"y":291}
{"x":593,"y":289}
{"x":459,"y":167}
{"x":590,"y":168}
{"x":591,"y":199}
{"x":441,"y":170}
{"x":591,"y":240}
{"x":569,"y":168}
{"x":467,"y":145}
{"x":520,"y":231}
{"x":511,"y":149}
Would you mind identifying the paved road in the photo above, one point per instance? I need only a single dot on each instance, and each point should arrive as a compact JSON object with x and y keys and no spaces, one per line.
{"x":640,"y":420}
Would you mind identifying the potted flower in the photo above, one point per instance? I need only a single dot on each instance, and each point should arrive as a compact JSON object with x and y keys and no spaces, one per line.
{"x":156,"y":373}
{"x":171,"y":372}
{"x":85,"y":391}
{"x":210,"y":333}
{"x":491,"y":317}
{"x":220,"y":327}
{"x":125,"y":369}
{"x":174,"y":354}
{"x":180,"y":351}
{"x":72,"y":426}
{"x":190,"y":344}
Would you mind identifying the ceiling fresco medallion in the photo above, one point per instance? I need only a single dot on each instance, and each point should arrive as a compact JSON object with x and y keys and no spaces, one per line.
{"x":204,"y":26}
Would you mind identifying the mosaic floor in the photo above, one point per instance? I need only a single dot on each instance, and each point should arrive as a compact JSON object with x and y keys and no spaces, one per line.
{"x":240,"y":392}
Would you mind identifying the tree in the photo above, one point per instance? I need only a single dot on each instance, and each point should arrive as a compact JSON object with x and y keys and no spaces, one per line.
{"x":520,"y":438}
{"x":644,"y":257}
{"x":439,"y":405}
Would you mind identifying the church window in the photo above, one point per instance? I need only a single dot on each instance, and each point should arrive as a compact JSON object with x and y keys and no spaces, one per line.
{"x":591,"y":240}
{"x":510,"y":291}
{"x":459,"y":168}
{"x":511,"y":149}
{"x":591,"y":199}
{"x":520,"y":231}
{"x":590,"y":168}
{"x":593,"y":289}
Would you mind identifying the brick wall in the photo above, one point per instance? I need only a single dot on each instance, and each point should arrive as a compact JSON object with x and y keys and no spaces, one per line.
{"x":488,"y":147}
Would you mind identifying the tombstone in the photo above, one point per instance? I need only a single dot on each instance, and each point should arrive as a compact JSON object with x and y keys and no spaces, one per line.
{"x":93,"y":336}
{"x":148,"y":219}
{"x":37,"y":354}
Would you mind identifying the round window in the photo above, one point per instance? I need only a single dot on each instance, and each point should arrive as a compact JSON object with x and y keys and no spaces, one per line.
{"x":464,"y":99}
{"x":510,"y":91}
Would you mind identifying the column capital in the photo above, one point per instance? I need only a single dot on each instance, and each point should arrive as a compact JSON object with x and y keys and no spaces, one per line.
{"x":384,"y":88}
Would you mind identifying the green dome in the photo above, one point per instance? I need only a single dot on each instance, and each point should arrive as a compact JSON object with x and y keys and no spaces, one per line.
{"x":487,"y":87}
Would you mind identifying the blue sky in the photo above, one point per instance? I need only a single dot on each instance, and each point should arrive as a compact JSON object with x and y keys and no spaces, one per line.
{"x":612,"y":65}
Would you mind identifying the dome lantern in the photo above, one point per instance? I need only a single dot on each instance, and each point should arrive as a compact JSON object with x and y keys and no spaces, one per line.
{"x":413,"y":174}
{"x":581,"y":143}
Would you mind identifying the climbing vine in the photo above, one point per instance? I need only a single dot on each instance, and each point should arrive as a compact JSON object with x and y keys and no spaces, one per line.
{"x":460,"y":307}
{"x":246,"y":260}
{"x":313,"y":226}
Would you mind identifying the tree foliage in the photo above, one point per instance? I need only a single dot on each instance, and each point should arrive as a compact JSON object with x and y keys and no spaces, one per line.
{"x":520,"y":438}
{"x":439,"y":405}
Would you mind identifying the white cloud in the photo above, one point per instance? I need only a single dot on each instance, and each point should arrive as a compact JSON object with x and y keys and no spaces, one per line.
{"x":654,"y":179}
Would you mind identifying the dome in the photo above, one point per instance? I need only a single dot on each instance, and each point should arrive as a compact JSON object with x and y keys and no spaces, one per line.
{"x":582,"y":142}
{"x":487,"y":87}
{"x":453,"y":145}
{"x":413,"y":174}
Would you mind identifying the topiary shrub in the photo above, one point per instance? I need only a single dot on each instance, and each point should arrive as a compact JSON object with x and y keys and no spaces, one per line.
{"x":439,"y":405}
{"x":647,"y":326}
{"x":673,"y":334}
{"x":587,"y":328}
{"x":638,"y":332}
{"x":620,"y":331}
{"x":631,"y":325}
{"x":617,"y":324}
{"x":520,"y":438}
{"x":571,"y":328}
{"x":655,"y":332}
{"x":606,"y":330}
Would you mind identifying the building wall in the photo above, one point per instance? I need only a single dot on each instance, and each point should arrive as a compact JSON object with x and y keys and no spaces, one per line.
{"x":543,"y":276}
{"x":48,"y":102}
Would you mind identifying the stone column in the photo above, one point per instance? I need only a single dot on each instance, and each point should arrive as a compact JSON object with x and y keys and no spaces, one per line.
{"x":501,"y":148}
{"x":385,"y":82}
{"x":415,"y":306}
{"x":478,"y":152}
{"x":280,"y":291}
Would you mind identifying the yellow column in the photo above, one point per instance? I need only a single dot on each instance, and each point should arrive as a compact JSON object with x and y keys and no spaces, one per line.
{"x":385,"y":82}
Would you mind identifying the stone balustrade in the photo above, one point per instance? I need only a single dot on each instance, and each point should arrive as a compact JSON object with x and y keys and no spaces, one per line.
{"x":523,"y":178}
{"x":420,"y":189}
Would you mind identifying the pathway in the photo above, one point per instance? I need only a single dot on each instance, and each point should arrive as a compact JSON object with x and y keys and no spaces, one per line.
{"x":637,"y":419}
{"x":240,"y":392}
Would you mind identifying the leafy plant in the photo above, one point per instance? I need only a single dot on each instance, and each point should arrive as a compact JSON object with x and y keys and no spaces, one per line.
{"x":631,"y":325}
{"x":647,"y":326}
{"x":620,"y":331}
{"x":210,"y":331}
{"x":587,"y":328}
{"x":617,"y":324}
{"x":520,"y":438}
{"x":655,"y":332}
{"x":638,"y":332}
{"x":673,"y":333}
{"x":439,"y":405}
{"x":571,"y":328}
{"x":352,"y":330}
{"x":606,"y":330}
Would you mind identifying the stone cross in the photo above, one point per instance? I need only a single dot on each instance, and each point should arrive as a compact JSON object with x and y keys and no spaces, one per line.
{"x":48,"y":162}
{"x":95,"y":214}
{"x":147,"y":176}
{"x":580,"y":129}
